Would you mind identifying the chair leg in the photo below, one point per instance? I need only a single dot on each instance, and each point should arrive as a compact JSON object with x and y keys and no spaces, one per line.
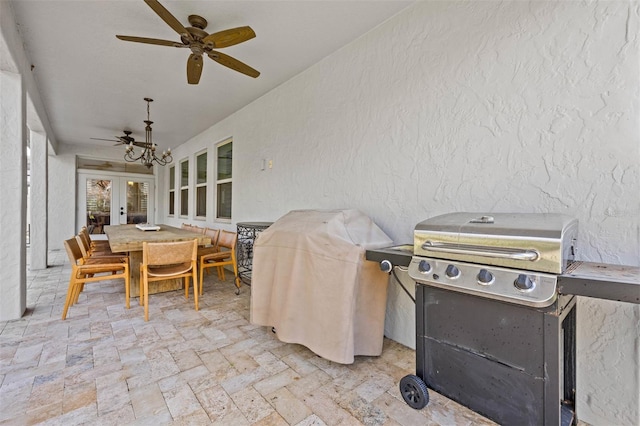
{"x":127,"y":287}
{"x":201,"y":272}
{"x":70,"y":293}
{"x":78,"y":289}
{"x":185,"y":283}
{"x":140,"y":290}
{"x":202,"y":269}
{"x":195,"y":287}
{"x":146,"y":298}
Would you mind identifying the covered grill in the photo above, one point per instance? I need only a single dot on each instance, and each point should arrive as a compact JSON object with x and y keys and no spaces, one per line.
{"x":312,"y":284}
{"x":495,"y":312}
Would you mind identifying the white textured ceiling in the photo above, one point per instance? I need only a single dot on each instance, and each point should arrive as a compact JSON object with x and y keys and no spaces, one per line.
{"x":93,"y":85}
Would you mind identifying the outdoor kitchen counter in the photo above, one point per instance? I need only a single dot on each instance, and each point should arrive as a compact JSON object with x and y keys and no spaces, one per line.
{"x":599,"y":280}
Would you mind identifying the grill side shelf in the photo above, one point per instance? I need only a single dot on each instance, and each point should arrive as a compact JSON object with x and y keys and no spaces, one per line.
{"x":602,"y":281}
{"x":398,"y":255}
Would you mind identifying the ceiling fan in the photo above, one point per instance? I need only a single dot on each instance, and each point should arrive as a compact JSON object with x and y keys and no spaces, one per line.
{"x":127,"y":139}
{"x":200,"y":42}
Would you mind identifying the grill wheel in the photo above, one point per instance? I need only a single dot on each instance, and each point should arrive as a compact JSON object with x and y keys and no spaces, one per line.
{"x":414,"y":391}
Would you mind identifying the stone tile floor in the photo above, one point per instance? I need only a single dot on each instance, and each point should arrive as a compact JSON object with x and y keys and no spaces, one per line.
{"x":106,"y":365}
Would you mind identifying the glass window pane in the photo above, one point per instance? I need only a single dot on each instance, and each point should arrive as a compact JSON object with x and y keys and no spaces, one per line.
{"x":172,"y":177}
{"x":225,"y":157}
{"x":137,"y":199}
{"x":184,"y":202}
{"x":172,"y":204}
{"x":224,"y":201}
{"x":201,"y":201}
{"x":201,"y":166}
{"x":184,"y":173}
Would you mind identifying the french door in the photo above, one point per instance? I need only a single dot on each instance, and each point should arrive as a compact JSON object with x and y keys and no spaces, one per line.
{"x":105,"y":199}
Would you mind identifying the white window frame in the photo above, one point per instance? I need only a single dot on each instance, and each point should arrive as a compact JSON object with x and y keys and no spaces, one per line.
{"x":183,"y":188}
{"x":201,"y":184}
{"x":172,"y":172}
{"x":222,"y":181}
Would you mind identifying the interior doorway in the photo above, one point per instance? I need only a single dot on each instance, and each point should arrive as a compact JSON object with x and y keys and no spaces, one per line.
{"x":110,"y":199}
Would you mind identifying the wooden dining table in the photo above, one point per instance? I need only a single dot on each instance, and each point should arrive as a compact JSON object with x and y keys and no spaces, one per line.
{"x":129,"y":239}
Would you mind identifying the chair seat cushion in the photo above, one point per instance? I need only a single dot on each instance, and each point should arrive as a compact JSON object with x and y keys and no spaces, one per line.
{"x":166,"y":270}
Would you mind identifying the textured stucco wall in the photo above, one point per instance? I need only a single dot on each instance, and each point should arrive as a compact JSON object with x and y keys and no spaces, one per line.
{"x":470,"y":106}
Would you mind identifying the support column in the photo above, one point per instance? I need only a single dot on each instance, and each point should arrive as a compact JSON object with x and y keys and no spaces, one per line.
{"x":13,"y":187}
{"x":38,"y":241}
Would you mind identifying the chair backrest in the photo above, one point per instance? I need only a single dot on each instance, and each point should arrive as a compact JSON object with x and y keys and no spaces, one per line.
{"x":83,"y":244}
{"x":73,"y":250}
{"x":169,"y":253}
{"x":214,"y":234}
{"x":85,"y":233}
{"x":227,"y":239}
{"x":192,"y":228}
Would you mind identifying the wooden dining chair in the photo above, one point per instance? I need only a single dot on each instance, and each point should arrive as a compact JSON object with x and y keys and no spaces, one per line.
{"x":163,"y":261}
{"x":91,"y":252}
{"x":226,"y":256}
{"x":92,"y":270}
{"x":102,"y":245}
{"x":213,"y":234}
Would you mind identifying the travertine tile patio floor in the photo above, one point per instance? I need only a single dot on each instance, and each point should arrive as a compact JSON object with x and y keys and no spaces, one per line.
{"x":106,"y":365}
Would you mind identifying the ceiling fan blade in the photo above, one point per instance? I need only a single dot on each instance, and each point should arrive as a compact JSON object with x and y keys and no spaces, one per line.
{"x":194,"y":68}
{"x":168,"y":18}
{"x":229,"y":37}
{"x":151,"y":41}
{"x":100,"y":139}
{"x":234,"y":64}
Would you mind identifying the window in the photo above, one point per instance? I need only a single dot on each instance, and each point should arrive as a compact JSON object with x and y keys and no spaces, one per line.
{"x":201,"y":185}
{"x":184,"y":188}
{"x":172,"y":190}
{"x":223,"y":180}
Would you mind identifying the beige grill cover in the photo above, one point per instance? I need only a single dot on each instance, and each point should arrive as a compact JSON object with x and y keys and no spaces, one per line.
{"x":311,"y":282}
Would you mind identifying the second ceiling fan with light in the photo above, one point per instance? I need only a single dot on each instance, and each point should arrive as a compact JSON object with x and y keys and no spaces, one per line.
{"x":200,"y":42}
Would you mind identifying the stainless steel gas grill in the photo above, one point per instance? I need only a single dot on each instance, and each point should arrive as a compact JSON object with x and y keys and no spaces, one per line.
{"x":502,"y":360}
{"x":510,"y":257}
{"x":493,"y":330}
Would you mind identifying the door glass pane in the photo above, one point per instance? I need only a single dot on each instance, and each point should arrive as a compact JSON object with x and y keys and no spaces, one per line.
{"x":224,"y":200}
{"x":98,"y":205}
{"x":137,"y":201}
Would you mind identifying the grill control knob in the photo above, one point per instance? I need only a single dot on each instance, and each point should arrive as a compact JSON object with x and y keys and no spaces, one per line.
{"x":424,"y":267}
{"x":452,"y":271}
{"x":523,"y":282}
{"x":485,"y":277}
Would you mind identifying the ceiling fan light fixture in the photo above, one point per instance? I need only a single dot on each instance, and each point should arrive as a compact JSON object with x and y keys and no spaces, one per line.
{"x":148,"y":155}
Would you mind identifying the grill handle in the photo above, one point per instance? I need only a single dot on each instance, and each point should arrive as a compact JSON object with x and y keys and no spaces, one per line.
{"x":501,"y":252}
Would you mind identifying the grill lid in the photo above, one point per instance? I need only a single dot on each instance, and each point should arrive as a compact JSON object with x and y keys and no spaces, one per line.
{"x":542,"y":242}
